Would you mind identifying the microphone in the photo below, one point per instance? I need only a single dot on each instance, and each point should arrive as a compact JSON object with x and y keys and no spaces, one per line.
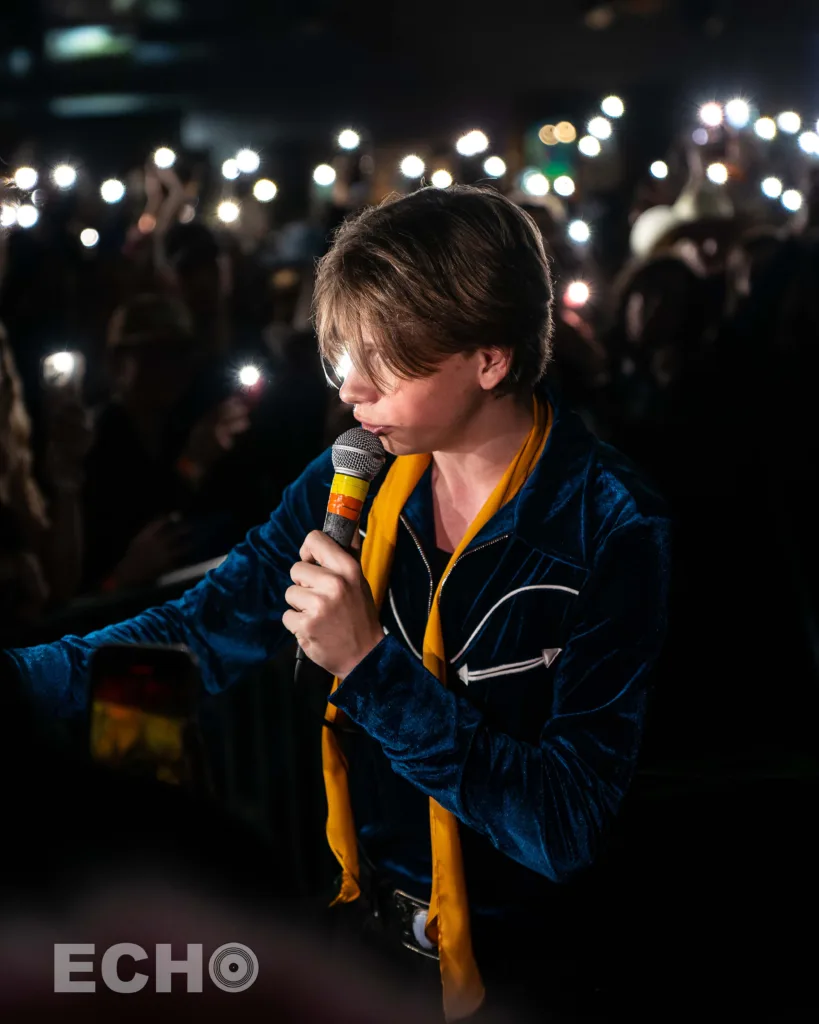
{"x":358,"y":457}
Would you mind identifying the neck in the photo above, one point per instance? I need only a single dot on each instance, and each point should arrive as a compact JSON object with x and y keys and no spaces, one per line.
{"x":468,"y":471}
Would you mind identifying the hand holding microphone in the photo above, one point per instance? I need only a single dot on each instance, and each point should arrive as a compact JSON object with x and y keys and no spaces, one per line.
{"x":332,"y":612}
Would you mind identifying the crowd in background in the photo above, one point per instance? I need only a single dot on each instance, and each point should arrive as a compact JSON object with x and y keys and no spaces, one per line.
{"x":694,"y":356}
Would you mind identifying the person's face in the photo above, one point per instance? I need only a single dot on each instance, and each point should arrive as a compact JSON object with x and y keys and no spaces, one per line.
{"x":428,"y":414}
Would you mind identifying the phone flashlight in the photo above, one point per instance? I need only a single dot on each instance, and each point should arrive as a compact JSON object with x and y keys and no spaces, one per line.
{"x":63,"y":368}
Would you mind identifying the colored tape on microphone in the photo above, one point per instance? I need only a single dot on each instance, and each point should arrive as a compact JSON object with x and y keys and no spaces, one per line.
{"x":347,"y":495}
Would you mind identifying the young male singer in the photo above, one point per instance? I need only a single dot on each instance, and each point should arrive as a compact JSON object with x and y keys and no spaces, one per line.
{"x":491,"y":648}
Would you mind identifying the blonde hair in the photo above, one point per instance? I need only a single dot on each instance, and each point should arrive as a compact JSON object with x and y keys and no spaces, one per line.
{"x":432,"y":274}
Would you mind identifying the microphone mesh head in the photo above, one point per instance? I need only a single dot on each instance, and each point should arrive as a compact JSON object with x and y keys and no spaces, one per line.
{"x":359,"y":453}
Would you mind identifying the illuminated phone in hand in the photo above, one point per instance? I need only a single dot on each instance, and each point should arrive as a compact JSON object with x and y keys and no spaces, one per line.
{"x":142,"y":707}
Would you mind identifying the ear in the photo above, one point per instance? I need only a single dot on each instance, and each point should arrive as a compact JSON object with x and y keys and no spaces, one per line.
{"x":493,"y":366}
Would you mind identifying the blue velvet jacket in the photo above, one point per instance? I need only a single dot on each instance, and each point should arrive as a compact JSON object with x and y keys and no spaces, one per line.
{"x":551,"y":620}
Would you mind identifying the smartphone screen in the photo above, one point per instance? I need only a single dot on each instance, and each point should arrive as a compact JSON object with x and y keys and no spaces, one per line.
{"x":143,"y":712}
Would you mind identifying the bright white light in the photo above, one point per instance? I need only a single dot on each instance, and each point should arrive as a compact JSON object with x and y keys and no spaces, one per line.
{"x":765,"y":127}
{"x":230,"y":169}
{"x":579,"y":231}
{"x":228,"y":211}
{"x":62,"y":363}
{"x":711,"y":114}
{"x":577,"y":294}
{"x":441,"y":179}
{"x":89,"y":237}
{"x":472,"y":143}
{"x":589,"y":146}
{"x":249,"y":376}
{"x":789,"y":122}
{"x":324,"y":175}
{"x":599,"y":127}
{"x":791,"y":200}
{"x":8,"y":216}
{"x":26,"y":178}
{"x":345,"y":364}
{"x":164,"y":158}
{"x":112,"y":190}
{"x":809,"y":143}
{"x":772,"y":188}
{"x":265,"y":190}
{"x":737,"y":113}
{"x":613,"y":106}
{"x":494,"y":166}
{"x":718,"y":173}
{"x":564,"y":186}
{"x":248,"y":161}
{"x":27,"y":216}
{"x":412,"y":166}
{"x":348,"y":139}
{"x":64,"y":176}
{"x":659,"y":169}
{"x":535,"y":183}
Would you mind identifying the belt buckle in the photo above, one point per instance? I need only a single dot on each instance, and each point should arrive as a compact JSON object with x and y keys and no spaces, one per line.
{"x":412,"y":914}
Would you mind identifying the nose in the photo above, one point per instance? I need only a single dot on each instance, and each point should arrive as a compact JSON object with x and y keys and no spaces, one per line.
{"x":357,"y":389}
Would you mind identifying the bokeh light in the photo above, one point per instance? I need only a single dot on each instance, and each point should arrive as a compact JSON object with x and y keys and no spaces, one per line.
{"x":565,"y":131}
{"x":765,"y":128}
{"x":577,"y":294}
{"x":64,"y":176}
{"x":228,"y":211}
{"x":579,"y":231}
{"x":248,"y":161}
{"x":249,"y":376}
{"x":412,"y":166}
{"x":809,"y":143}
{"x":589,"y":146}
{"x":564,"y":186}
{"x":441,"y":178}
{"x":471,"y":144}
{"x":264,"y":190}
{"x":711,"y":114}
{"x":791,"y":200}
{"x":613,"y":106}
{"x":494,"y":166}
{"x":89,"y":237}
{"x":789,"y":122}
{"x":535,"y":183}
{"x":599,"y":127}
{"x":230,"y":169}
{"x":737,"y":113}
{"x":548,"y":135}
{"x":349,"y":139}
{"x":112,"y":190}
{"x":8,"y":215}
{"x":718,"y":173}
{"x":659,"y":169}
{"x":324,"y":175}
{"x":26,"y":178}
{"x":27,"y":216}
{"x":164,"y":158}
{"x":772,"y":188}
{"x":699,"y":136}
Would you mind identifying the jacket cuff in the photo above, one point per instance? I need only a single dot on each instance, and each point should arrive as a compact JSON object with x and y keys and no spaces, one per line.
{"x":389,"y":689}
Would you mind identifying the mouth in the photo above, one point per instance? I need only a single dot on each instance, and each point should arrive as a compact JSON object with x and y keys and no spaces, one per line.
{"x":374,"y":428}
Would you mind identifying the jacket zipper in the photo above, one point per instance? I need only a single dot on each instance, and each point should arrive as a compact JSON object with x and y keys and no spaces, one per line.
{"x":426,"y":562}
{"x":471,"y":551}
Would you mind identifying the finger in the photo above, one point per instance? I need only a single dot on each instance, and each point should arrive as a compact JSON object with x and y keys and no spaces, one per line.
{"x":301,"y":599}
{"x":324,"y":551}
{"x":308,"y":574}
{"x":293,"y":622}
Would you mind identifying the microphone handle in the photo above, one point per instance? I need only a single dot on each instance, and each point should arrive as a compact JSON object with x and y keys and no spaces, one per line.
{"x":342,"y":531}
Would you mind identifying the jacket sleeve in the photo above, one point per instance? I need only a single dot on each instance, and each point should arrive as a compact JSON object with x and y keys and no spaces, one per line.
{"x":546,"y":805}
{"x":231,"y":621}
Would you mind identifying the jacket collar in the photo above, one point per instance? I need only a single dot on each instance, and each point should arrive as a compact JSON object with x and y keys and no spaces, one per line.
{"x":547,"y":514}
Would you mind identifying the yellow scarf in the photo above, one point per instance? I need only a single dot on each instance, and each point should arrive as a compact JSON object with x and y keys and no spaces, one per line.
{"x":448,"y":921}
